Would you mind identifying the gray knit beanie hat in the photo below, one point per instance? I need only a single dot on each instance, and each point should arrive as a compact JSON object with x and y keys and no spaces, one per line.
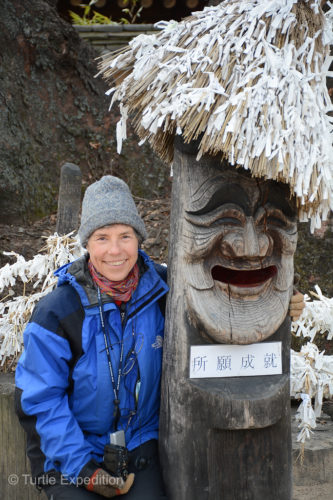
{"x":108,"y":201}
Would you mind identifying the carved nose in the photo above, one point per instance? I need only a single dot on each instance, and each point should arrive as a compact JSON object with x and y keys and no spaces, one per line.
{"x":246,"y":242}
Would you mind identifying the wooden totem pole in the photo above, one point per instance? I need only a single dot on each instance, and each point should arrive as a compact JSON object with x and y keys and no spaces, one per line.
{"x":231,"y":277}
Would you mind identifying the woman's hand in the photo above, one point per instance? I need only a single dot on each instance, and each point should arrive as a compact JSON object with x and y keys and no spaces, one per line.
{"x":296,"y":305}
{"x":102,"y":483}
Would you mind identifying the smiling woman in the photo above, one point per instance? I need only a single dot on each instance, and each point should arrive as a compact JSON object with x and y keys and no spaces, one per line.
{"x":88,"y":383}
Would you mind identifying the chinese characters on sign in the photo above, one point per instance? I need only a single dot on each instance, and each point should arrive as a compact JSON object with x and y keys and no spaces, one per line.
{"x":235,"y":360}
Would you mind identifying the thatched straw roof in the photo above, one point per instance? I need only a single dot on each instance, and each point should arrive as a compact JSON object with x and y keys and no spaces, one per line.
{"x":249,"y":78}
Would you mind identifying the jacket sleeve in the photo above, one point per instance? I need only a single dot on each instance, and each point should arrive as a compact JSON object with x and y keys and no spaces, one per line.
{"x":42,"y":375}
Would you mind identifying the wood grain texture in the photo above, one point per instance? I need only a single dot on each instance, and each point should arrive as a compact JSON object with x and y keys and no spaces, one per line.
{"x":15,"y":479}
{"x":220,"y":439}
{"x":69,"y":201}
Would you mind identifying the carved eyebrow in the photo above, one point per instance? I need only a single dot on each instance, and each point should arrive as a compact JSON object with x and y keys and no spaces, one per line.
{"x":270,"y":210}
{"x":227,"y":194}
{"x":227,"y":210}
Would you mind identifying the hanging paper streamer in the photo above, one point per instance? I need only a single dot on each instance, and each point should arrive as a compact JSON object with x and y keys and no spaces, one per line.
{"x":248,"y":78}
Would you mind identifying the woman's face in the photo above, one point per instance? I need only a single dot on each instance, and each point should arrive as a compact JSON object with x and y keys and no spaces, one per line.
{"x":113,"y":250}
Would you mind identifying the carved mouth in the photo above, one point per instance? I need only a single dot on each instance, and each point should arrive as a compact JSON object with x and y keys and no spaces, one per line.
{"x":244,"y":279}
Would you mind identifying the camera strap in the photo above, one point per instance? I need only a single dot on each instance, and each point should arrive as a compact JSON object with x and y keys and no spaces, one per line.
{"x":115,"y":386}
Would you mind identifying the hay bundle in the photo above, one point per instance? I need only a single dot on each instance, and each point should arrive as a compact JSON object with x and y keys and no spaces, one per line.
{"x":248,"y":78}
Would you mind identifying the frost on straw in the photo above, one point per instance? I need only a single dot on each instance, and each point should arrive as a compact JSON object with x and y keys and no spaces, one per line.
{"x":311,"y":371}
{"x":16,"y":312}
{"x":247,"y":78}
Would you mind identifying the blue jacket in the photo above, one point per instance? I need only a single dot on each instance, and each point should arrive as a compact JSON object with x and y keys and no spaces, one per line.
{"x":64,"y":395}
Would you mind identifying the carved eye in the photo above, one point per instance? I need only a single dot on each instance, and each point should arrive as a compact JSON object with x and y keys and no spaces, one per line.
{"x":230,"y":217}
{"x":275,"y":220}
{"x":224,"y":215}
{"x":272,"y":217}
{"x":228,"y":221}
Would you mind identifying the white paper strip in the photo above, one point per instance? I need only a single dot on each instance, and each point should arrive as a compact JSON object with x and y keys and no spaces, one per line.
{"x":207,"y":361}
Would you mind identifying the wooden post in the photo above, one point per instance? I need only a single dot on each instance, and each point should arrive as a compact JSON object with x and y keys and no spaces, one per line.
{"x":226,"y":438}
{"x":69,"y":200}
{"x":15,"y":479}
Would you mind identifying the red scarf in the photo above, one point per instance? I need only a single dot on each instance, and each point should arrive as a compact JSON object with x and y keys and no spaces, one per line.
{"x":120,"y":291}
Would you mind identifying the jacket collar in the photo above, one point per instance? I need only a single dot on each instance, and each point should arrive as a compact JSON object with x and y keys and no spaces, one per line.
{"x":77,"y":275}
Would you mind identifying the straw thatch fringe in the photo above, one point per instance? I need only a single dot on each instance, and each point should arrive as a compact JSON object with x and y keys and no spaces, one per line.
{"x":248,"y":78}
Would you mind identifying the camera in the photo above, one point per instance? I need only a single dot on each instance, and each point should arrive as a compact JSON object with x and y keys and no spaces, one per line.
{"x":116,"y":455}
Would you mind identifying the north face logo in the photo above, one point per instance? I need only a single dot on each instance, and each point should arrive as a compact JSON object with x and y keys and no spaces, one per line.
{"x":158,"y":342}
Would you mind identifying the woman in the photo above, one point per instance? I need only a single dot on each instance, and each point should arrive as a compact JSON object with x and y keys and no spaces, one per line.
{"x":92,"y":361}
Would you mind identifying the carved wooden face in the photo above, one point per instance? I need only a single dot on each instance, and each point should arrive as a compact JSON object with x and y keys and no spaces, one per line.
{"x":240,"y":237}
